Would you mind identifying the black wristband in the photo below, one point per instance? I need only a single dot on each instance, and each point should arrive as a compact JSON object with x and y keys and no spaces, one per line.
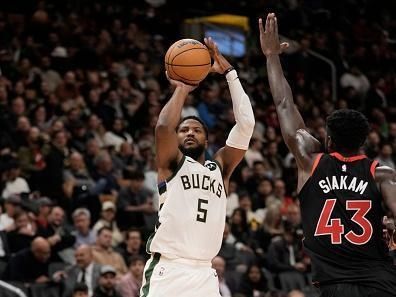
{"x":228,"y":70}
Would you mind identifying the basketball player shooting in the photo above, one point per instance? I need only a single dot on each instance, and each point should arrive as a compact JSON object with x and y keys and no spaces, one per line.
{"x":193,"y":192}
{"x":340,"y":192}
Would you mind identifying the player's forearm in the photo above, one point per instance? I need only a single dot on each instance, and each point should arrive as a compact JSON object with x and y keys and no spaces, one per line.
{"x":280,"y":88}
{"x":243,"y":112}
{"x":169,"y":116}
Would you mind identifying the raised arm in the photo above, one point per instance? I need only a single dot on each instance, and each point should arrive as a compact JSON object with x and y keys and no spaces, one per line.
{"x":168,"y":154}
{"x":238,"y":140}
{"x":298,"y":140}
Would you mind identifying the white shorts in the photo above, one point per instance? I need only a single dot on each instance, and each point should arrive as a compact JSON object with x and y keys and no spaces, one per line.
{"x":164,"y":277}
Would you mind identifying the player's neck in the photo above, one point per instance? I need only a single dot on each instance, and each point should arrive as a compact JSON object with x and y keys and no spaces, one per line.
{"x":344,"y":153}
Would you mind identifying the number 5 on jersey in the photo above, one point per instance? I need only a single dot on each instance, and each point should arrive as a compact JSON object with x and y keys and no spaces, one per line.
{"x":202,"y":212}
{"x":336,"y":229}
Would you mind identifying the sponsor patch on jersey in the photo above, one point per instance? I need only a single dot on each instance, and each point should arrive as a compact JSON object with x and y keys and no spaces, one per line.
{"x":211,"y":166}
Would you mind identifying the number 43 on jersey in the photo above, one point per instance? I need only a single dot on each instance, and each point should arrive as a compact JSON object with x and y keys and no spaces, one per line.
{"x":335,"y":228}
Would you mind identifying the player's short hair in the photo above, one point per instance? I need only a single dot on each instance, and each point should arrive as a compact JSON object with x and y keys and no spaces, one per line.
{"x":348,"y":129}
{"x":198,"y":120}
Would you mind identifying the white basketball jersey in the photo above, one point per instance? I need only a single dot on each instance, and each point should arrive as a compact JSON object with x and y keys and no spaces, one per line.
{"x":192,"y":212}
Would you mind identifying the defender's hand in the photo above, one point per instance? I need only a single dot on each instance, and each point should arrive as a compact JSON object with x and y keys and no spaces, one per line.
{"x":220,"y":64}
{"x":269,"y":38}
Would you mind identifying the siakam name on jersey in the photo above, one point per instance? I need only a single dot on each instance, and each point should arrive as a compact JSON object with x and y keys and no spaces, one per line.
{"x":343,"y":183}
{"x":204,"y":182}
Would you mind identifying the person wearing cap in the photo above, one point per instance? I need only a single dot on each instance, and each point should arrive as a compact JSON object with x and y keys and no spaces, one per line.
{"x":108,"y":219}
{"x":107,"y":283}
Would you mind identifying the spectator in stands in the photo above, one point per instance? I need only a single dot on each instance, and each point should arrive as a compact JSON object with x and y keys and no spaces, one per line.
{"x":30,"y":265}
{"x":219,"y":264}
{"x":107,"y":283}
{"x":21,"y":237}
{"x":285,"y":257}
{"x":254,"y":152}
{"x":107,"y":219}
{"x":385,"y":156}
{"x":14,"y":183}
{"x":104,"y":254}
{"x":264,"y":196}
{"x":117,"y":135}
{"x":11,"y":206}
{"x":44,"y":205}
{"x":57,"y":233}
{"x":83,"y":232}
{"x":80,"y":290}
{"x":134,"y":202}
{"x":130,"y":283}
{"x":253,"y":283}
{"x":85,"y":271}
{"x":133,"y":245}
{"x":54,"y":160}
{"x":76,"y":179}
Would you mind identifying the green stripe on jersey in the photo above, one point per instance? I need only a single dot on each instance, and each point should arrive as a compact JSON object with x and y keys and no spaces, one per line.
{"x":148,"y":273}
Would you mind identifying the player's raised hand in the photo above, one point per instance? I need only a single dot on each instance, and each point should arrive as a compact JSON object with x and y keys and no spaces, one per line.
{"x":220,"y":64}
{"x":180,"y":84}
{"x":269,"y":38}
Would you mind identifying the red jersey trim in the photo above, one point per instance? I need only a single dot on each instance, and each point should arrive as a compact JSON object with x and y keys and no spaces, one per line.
{"x":372,"y":167}
{"x":316,"y":162}
{"x":348,"y":159}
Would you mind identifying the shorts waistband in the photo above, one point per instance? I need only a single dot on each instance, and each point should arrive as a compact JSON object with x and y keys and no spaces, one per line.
{"x":184,"y":261}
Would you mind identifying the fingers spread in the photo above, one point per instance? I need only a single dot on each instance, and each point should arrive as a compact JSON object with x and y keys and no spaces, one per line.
{"x":261,"y":28}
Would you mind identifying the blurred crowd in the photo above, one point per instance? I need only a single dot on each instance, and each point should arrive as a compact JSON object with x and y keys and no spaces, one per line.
{"x":81,"y":87}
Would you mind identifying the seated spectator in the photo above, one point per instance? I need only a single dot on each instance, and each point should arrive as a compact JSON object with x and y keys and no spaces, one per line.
{"x":76,"y":179}
{"x":104,"y":254}
{"x":107,"y":219}
{"x":385,"y":156}
{"x":285,"y":257}
{"x":57,"y":233}
{"x":80,"y":290}
{"x":254,"y":218}
{"x":280,"y":194}
{"x":133,"y":245}
{"x":253,"y":283}
{"x":82,"y":222}
{"x":30,"y":265}
{"x":12,"y":206}
{"x":107,"y":283}
{"x":23,"y":234}
{"x":254,"y":152}
{"x":130,"y":283}
{"x":44,"y":205}
{"x":219,"y":264}
{"x":264,"y":196}
{"x":239,"y":226}
{"x":134,"y":202}
{"x":117,"y":135}
{"x":85,"y":271}
{"x":14,"y":183}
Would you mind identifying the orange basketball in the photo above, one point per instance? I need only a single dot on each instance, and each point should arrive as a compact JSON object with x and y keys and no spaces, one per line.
{"x":188,"y":60}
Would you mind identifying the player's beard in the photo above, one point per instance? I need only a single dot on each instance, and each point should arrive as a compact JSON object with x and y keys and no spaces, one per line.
{"x":193,"y":152}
